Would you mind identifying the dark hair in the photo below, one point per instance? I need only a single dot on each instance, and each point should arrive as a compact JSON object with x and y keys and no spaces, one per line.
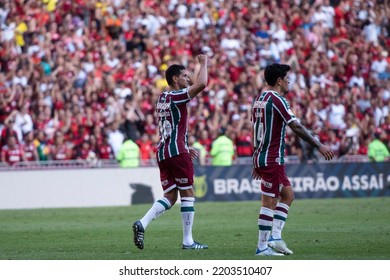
{"x":377,"y":133}
{"x":274,"y":71}
{"x":222,"y":130}
{"x":173,"y":70}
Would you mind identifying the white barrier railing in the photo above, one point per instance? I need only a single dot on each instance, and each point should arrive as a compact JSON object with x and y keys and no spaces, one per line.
{"x":70,"y":164}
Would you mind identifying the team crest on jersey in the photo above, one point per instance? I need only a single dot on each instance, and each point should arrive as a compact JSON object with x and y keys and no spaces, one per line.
{"x":200,"y":186}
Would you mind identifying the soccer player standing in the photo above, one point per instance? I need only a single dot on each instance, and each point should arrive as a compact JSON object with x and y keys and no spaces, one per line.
{"x":271,"y":114}
{"x":174,"y":156}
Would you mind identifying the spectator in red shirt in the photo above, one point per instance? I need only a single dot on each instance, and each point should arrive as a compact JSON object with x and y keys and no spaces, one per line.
{"x":12,"y":152}
{"x":60,"y":150}
{"x":146,"y":148}
{"x":243,"y":142}
{"x":205,"y":140}
{"x":8,"y":131}
{"x":84,"y":151}
{"x":105,"y":150}
{"x":29,"y":148}
{"x":150,"y":126}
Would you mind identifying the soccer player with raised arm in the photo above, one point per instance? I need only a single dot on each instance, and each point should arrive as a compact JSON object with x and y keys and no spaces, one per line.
{"x":174,"y":156}
{"x":271,"y":114}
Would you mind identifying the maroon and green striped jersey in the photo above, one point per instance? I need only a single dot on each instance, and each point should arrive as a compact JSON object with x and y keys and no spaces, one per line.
{"x":271,"y":114}
{"x":171,"y":109}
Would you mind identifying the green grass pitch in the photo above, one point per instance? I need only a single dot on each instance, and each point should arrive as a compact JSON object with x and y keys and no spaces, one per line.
{"x":316,"y":229}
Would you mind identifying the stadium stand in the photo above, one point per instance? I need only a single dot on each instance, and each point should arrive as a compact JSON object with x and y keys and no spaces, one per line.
{"x":92,"y":70}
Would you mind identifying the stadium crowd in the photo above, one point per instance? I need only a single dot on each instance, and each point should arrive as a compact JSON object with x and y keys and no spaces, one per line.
{"x":78,"y":77}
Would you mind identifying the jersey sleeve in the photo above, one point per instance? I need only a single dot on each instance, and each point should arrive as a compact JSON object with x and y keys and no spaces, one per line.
{"x":181,"y":96}
{"x":283,"y":108}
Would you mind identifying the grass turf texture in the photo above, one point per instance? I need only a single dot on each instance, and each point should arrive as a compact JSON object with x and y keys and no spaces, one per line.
{"x":326,"y":229}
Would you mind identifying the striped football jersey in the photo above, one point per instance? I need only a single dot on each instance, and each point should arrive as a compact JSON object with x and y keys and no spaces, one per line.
{"x":171,"y":109}
{"x":271,"y":114}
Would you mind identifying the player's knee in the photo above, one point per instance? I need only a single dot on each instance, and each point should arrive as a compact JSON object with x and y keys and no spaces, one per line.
{"x":287,"y":195}
{"x":186,"y":191}
{"x":172,"y":198}
{"x":269,"y":202}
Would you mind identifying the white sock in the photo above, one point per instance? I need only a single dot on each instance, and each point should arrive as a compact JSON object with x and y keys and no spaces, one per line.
{"x":265,"y":226}
{"x":280,"y":216}
{"x":187,"y":217}
{"x":157,"y":209}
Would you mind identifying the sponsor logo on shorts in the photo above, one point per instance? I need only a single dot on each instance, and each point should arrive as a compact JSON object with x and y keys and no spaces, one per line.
{"x":266,"y":184}
{"x":181,"y":180}
{"x":164,"y":183}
